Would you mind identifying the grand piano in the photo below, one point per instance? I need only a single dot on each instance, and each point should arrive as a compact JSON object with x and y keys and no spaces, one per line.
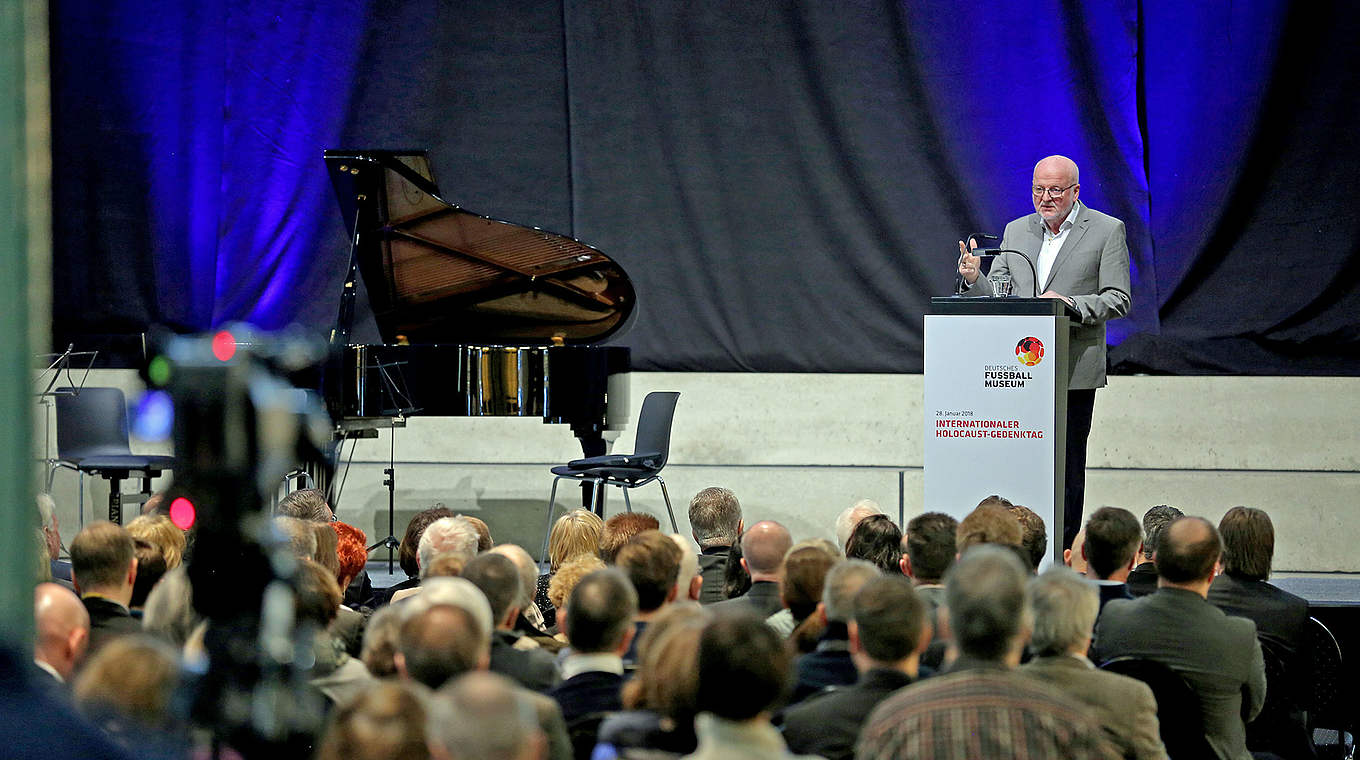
{"x":478,"y":317}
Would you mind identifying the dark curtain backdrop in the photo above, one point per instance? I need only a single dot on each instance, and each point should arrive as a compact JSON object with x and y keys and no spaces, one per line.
{"x":783,"y":181}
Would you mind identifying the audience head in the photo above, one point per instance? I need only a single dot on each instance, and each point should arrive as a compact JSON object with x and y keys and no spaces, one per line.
{"x":652,"y":563}
{"x":306,"y":504}
{"x":299,"y":535}
{"x":736,"y":579}
{"x":851,"y":516}
{"x":104,"y":561}
{"x":446,"y":565}
{"x":889,"y":622}
{"x":498,"y":578}
{"x":1188,"y":551}
{"x":1065,"y":607}
{"x":878,"y":540}
{"x":439,"y":642}
{"x":576,"y":532}
{"x":318,"y":595}
{"x":930,"y":546}
{"x":987,"y":601}
{"x":600,"y":612}
{"x":763,"y":547}
{"x":351,"y":550}
{"x":744,"y":667}
{"x":667,"y":678}
{"x":410,"y":542}
{"x":715,"y":517}
{"x":132,"y":676}
{"x":988,"y":524}
{"x":527,"y":567}
{"x":620,"y":529}
{"x":61,"y":628}
{"x":689,"y":582}
{"x":1033,"y":534}
{"x":1112,"y":540}
{"x":150,"y":570}
{"x":380,"y":641}
{"x":843,"y":582}
{"x":327,"y":547}
{"x":447,"y":534}
{"x":1248,"y":543}
{"x":162,"y":534}
{"x":483,"y":716}
{"x":804,"y":579}
{"x":456,"y":592}
{"x":1074,"y":559}
{"x":995,"y":501}
{"x":568,"y":575}
{"x":169,"y":610}
{"x":484,"y":542}
{"x":1155,"y":521}
{"x":384,"y":722}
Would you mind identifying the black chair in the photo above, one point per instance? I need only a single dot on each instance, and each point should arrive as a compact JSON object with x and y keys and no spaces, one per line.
{"x":1329,"y":699}
{"x":92,"y":437}
{"x":1178,"y":709}
{"x":1279,"y":728}
{"x":625,"y":471}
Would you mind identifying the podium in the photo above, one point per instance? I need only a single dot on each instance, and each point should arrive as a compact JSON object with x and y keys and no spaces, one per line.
{"x":996,"y":373}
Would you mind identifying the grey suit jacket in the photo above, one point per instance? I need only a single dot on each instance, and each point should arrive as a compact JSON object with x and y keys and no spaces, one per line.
{"x":1092,"y":268}
{"x":1125,"y":706}
{"x":1217,"y":655}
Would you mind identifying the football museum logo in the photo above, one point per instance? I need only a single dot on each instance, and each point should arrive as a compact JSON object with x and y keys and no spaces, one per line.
{"x":1028,"y":352}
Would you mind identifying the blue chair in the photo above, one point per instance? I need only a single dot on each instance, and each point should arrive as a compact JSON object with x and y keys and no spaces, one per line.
{"x":625,"y":471}
{"x":92,"y":437}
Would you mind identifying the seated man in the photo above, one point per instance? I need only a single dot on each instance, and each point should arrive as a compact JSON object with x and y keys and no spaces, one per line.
{"x":1111,"y":545}
{"x":61,"y":631}
{"x":887,"y":635}
{"x":599,"y":627}
{"x":652,"y":563}
{"x":830,"y":664}
{"x":497,"y":577}
{"x":1217,"y":655}
{"x":104,"y":571}
{"x":1143,"y":577}
{"x":981,"y":706}
{"x":1065,"y":609}
{"x":743,"y":674}
{"x":715,"y":521}
{"x":763,"y":547}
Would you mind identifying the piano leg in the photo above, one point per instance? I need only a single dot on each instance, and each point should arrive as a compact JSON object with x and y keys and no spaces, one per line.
{"x":592,"y":445}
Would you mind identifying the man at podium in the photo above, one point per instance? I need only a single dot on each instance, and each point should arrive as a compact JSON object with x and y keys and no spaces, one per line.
{"x":1080,"y":256}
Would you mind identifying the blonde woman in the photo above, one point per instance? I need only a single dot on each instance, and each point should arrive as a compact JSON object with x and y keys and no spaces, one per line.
{"x":575,"y":533}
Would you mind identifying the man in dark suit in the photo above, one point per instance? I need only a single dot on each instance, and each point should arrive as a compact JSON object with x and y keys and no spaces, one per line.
{"x":887,"y":635}
{"x":1216,"y":654}
{"x":1065,"y":608}
{"x":831,"y":664}
{"x":599,"y":627}
{"x":1081,"y":257}
{"x":1113,"y":541}
{"x":1281,"y":623}
{"x":652,"y":563}
{"x":763,"y":547}
{"x":1142,"y":578}
{"x":104,"y":571}
{"x":61,"y":631}
{"x":715,"y":521}
{"x":981,"y":707}
{"x":497,"y":577}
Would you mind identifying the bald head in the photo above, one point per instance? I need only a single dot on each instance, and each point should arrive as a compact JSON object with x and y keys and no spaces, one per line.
{"x":1059,"y":165}
{"x":1188,"y":551}
{"x":763,"y":547}
{"x":62,"y":627}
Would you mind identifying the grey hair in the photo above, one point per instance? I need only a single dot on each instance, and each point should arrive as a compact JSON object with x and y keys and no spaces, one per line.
{"x":988,"y":601}
{"x":46,"y":510}
{"x":689,"y":565}
{"x":1065,"y":608}
{"x":714,"y":515}
{"x":454,"y":592}
{"x":482,"y":715}
{"x":527,"y":568}
{"x":453,"y":535}
{"x":843,"y":582}
{"x":850,"y":517}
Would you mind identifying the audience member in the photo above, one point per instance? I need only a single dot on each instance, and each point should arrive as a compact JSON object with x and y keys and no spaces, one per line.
{"x":763,"y":547}
{"x":801,"y":581}
{"x":982,"y":707}
{"x":888,"y":633}
{"x":327,"y":548}
{"x":599,"y":626}
{"x":1073,"y":559}
{"x":169,"y":612}
{"x":1217,"y":655}
{"x":577,"y":532}
{"x":379,"y":649}
{"x":620,"y":529}
{"x":126,"y":688}
{"x":659,"y":700}
{"x":484,"y":540}
{"x":150,"y":570}
{"x":715,"y":520}
{"x":1110,"y":545}
{"x":529,"y":623}
{"x":743,"y":676}
{"x":351,"y":553}
{"x":334,"y":673}
{"x":161,"y":533}
{"x":386,"y":722}
{"x":850,"y":517}
{"x":51,"y":531}
{"x":497,"y":577}
{"x":988,"y":524}
{"x":830,"y":663}
{"x":928,"y":552}
{"x":689,"y":584}
{"x":736,"y":579}
{"x":1033,"y":534}
{"x":61,"y":628}
{"x":1065,"y":609}
{"x":406,"y":551}
{"x":651,"y":562}
{"x":1143,"y":577}
{"x":486,"y":718}
{"x":1281,"y":620}
{"x":565,"y":579}
{"x":876,"y":539}
{"x":447,"y":535}
{"x":298,"y":534}
{"x":306,"y":504}
{"x":104,"y":571}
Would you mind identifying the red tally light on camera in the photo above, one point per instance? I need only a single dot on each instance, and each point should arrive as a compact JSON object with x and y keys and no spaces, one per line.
{"x":223,"y":345}
{"x":182,"y":513}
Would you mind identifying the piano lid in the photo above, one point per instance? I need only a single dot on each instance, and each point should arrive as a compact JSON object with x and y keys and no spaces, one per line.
{"x":437,"y":273}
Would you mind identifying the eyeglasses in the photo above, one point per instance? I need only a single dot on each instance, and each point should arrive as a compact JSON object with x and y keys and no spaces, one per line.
{"x":1054,"y":192}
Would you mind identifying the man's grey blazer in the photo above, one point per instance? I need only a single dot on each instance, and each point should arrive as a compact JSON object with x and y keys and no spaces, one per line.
{"x":1126,"y":707}
{"x":1217,"y":654}
{"x":1092,"y":268}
